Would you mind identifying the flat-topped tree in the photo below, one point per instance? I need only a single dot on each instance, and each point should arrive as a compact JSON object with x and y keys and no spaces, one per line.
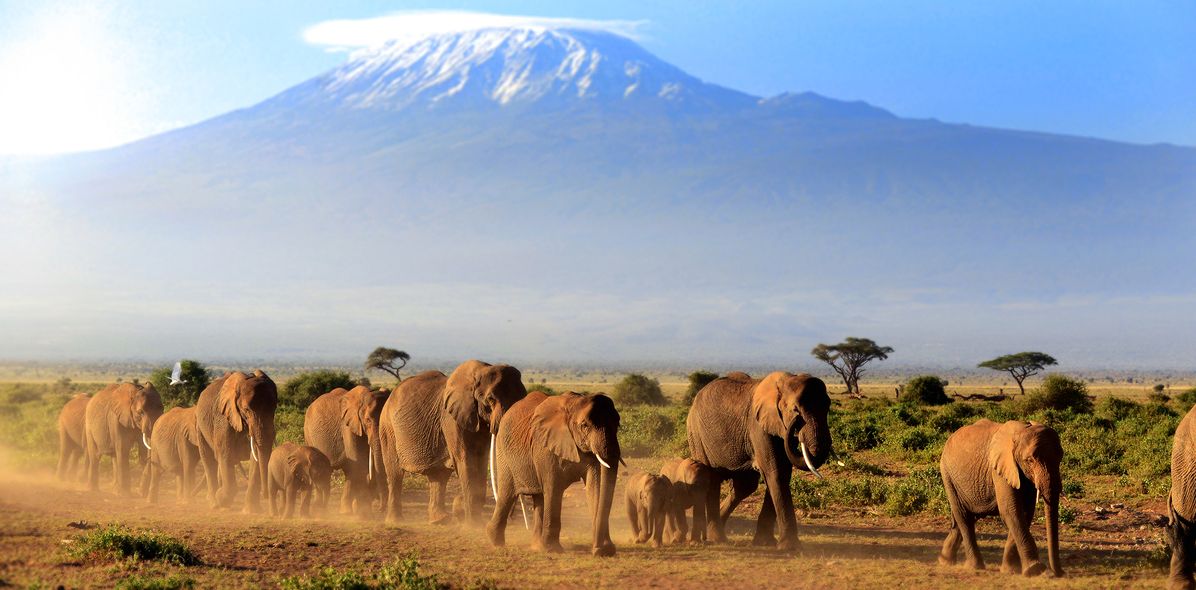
{"x":848,"y":358}
{"x":1020,"y":365}
{"x":384,"y":359}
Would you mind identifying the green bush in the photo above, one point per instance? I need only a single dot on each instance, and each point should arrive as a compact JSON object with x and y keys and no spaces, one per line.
{"x":1067,"y":514}
{"x":401,"y":574}
{"x":919,"y":491}
{"x":141,"y":582}
{"x":1186,"y":400}
{"x":546,"y":390}
{"x":1059,"y":392}
{"x":1073,"y":488}
{"x":636,"y":389}
{"x":697,"y":380}
{"x":926,"y":390}
{"x":118,"y":541}
{"x":302,"y":389}
{"x":916,"y":439}
{"x":648,"y":431}
{"x":288,"y":425}
{"x":195,"y":378}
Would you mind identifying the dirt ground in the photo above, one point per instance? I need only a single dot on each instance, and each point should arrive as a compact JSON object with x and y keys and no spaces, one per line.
{"x":840,"y":548}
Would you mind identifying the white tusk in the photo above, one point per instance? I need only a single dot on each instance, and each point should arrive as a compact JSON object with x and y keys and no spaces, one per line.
{"x":370,"y":466}
{"x":604,"y":463}
{"x":1037,"y":495}
{"x":524,"y":509}
{"x":145,"y":442}
{"x":493,"y":486}
{"x":252,"y":450}
{"x":809,"y":464}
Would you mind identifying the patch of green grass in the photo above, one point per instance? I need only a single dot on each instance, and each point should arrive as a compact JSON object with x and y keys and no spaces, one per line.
{"x":119,"y":542}
{"x":653,"y":431}
{"x":401,"y":574}
{"x":142,"y":582}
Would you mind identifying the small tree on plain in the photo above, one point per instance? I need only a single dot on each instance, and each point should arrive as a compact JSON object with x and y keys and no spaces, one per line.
{"x":195,"y":377}
{"x":848,"y":358}
{"x":1020,"y":365}
{"x":636,"y":389}
{"x":302,"y":389}
{"x":385,"y":359}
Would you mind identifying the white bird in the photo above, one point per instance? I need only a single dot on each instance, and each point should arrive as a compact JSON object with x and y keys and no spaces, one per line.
{"x":176,"y":373}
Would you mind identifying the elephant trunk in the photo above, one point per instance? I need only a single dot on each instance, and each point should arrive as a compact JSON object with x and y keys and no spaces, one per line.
{"x":261,"y":445}
{"x":809,"y":447}
{"x":608,"y":452}
{"x":1050,"y":485}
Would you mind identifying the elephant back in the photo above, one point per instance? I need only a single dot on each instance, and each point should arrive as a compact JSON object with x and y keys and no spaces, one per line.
{"x":322,"y":425}
{"x":718,"y":422}
{"x":73,"y":417}
{"x":411,"y":422}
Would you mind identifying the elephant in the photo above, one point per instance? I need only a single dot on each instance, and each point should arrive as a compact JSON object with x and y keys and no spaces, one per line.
{"x":343,"y":425}
{"x":117,"y":418}
{"x":435,"y":425}
{"x":543,"y":445}
{"x":1181,"y":504}
{"x":295,"y":470}
{"x":690,"y":481}
{"x":235,"y":415}
{"x":1001,"y":469}
{"x":175,"y":444}
{"x":741,"y":428}
{"x":71,"y":447}
{"x":649,"y":502}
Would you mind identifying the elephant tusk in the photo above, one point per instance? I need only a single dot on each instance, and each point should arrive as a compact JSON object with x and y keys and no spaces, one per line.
{"x":604,"y":463}
{"x":809,"y":464}
{"x":493,"y":486}
{"x":252,"y":450}
{"x":1037,"y":495}
{"x":523,"y":507}
{"x":145,"y":442}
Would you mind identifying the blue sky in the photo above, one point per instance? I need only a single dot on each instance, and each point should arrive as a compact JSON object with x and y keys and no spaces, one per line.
{"x":87,"y":74}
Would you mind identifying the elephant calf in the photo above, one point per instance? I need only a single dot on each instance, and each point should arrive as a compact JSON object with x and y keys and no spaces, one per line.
{"x":298,"y":470}
{"x":649,"y":501}
{"x":991,"y":469}
{"x":175,"y":449}
{"x":690,"y":481}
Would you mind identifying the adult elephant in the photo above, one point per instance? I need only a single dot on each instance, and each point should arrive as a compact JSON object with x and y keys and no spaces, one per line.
{"x":71,"y":446}
{"x":235,"y":414}
{"x":117,"y":419}
{"x":434,"y":424}
{"x":990,"y":469}
{"x":1181,"y":503}
{"x":543,"y":445}
{"x":344,"y":426}
{"x":742,"y":428}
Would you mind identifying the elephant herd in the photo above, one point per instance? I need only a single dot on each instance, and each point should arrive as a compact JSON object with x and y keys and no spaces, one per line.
{"x":481,"y":424}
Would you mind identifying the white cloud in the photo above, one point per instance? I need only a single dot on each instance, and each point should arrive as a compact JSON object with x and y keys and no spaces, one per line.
{"x":345,"y":34}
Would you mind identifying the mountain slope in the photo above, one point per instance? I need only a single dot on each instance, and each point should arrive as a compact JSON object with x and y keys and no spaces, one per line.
{"x":584,"y":179}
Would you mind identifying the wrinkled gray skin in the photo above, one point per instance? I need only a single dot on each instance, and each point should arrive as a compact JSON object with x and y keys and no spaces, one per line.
{"x":994,"y":469}
{"x":437,"y":425}
{"x":543,"y":445}
{"x":1181,"y":530}
{"x":71,"y":445}
{"x":298,"y":471}
{"x":742,"y":428}
{"x":175,"y":451}
{"x":230,"y":411}
{"x":649,"y":502}
{"x":690,"y":481}
{"x":118,"y":419}
{"x":343,"y":425}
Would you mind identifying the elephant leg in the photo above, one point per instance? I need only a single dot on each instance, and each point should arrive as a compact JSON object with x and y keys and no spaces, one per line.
{"x":1183,"y":549}
{"x":965,"y":525}
{"x":658,"y":528}
{"x":714,"y":526}
{"x":146,"y":474}
{"x":439,"y":489}
{"x":473,"y":486}
{"x":1011,"y":562}
{"x":950,"y":549}
{"x":633,"y":516}
{"x":207,"y":457}
{"x":272,"y":496}
{"x":292,"y":491}
{"x":698,"y":532}
{"x":553,"y":493}
{"x":155,"y":480}
{"x":672,"y":530}
{"x":742,"y":486}
{"x":120,"y":464}
{"x":1017,"y":510}
{"x":305,"y":507}
{"x":64,"y":454}
{"x":93,"y":467}
{"x":228,"y":481}
{"x":778,"y":479}
{"x":496,"y":529}
{"x":394,"y":494}
{"x":348,"y":492}
{"x":537,"y":522}
{"x":766,"y":523}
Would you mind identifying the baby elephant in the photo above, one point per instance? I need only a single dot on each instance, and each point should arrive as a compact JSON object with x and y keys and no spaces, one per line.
{"x":690,"y":481}
{"x":649,"y":501}
{"x":990,"y":469}
{"x":298,"y":470}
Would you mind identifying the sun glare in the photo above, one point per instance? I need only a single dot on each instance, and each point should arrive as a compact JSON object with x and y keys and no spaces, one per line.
{"x":66,"y":84}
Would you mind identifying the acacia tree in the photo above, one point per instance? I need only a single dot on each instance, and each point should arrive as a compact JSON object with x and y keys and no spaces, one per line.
{"x":848,"y":358}
{"x":384,"y":359}
{"x":1020,"y":365}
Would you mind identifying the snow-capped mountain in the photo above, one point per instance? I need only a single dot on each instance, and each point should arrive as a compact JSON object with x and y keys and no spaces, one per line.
{"x":608,"y":204}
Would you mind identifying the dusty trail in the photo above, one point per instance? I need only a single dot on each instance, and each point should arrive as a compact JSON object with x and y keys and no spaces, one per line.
{"x":840,"y":548}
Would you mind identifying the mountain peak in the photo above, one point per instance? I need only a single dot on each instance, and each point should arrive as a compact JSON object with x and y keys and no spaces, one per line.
{"x":513,"y":66}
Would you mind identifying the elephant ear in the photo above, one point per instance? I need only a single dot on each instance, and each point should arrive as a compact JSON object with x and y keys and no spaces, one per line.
{"x":461,"y":405}
{"x":766,"y":407}
{"x":350,"y":417}
{"x":550,"y":423}
{"x":227,"y":401}
{"x":1001,"y":453}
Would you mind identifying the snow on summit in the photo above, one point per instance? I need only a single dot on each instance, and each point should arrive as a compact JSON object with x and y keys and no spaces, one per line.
{"x":512,"y":65}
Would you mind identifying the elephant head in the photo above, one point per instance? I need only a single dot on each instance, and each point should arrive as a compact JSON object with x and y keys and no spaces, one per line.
{"x":248,"y":403}
{"x":655,"y":502}
{"x":794,"y":408}
{"x":477,"y":394}
{"x":361,"y":409}
{"x":140,"y":409}
{"x":1032,"y":451}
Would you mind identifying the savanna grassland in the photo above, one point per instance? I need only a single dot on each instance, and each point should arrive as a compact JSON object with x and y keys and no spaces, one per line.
{"x":876,"y":521}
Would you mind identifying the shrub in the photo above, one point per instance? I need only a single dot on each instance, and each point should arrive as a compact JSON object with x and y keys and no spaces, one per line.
{"x":120,"y":542}
{"x":402,"y":574}
{"x":855,"y":433}
{"x":1073,"y":488}
{"x":195,"y":376}
{"x":140,"y":582}
{"x":546,"y":390}
{"x":1186,"y":400}
{"x":646,"y":431}
{"x":1067,"y":514}
{"x":636,"y":389}
{"x":858,"y":491}
{"x":697,"y":380}
{"x":916,"y":439}
{"x":1059,"y":392}
{"x":926,"y":390}
{"x":919,"y":491}
{"x":302,"y":389}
